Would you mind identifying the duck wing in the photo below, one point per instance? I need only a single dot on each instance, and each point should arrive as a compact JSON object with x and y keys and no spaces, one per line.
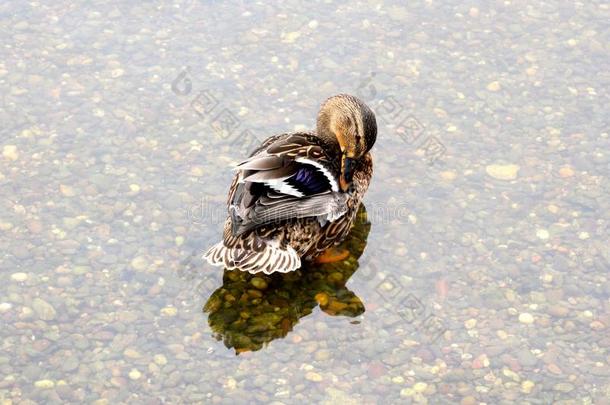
{"x":289,"y":176}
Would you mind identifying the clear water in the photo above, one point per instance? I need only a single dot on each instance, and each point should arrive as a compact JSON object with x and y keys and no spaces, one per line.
{"x":485,"y":273}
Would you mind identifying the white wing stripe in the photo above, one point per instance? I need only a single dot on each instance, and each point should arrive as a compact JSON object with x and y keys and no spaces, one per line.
{"x":281,"y":186}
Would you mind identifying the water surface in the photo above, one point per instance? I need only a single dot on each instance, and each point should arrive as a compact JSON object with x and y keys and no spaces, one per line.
{"x":485,"y":273}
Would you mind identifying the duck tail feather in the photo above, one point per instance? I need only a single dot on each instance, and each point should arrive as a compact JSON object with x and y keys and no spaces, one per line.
{"x":271,"y":259}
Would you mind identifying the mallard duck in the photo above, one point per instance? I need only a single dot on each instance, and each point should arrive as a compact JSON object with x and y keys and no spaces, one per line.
{"x":297,"y":194}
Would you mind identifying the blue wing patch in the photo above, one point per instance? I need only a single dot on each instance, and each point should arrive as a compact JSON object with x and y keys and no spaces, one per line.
{"x":309,"y":180}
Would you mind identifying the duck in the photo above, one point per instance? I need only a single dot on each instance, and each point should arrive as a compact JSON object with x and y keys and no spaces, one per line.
{"x":296,"y":196}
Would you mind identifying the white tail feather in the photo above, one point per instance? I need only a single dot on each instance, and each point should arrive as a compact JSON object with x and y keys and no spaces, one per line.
{"x":271,"y":259}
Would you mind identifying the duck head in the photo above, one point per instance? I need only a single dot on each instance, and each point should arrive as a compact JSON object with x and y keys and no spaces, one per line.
{"x":350,"y":124}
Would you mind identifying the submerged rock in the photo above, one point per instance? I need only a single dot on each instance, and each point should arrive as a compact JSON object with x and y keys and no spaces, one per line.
{"x":503,"y":172}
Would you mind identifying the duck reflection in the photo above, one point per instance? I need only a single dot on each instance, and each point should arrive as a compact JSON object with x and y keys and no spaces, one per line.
{"x":248,"y":311}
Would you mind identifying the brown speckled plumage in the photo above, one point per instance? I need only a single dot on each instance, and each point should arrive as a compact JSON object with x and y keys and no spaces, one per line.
{"x":298,"y":193}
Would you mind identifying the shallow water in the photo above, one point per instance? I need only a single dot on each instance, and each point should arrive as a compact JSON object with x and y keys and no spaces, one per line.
{"x":485,"y":273}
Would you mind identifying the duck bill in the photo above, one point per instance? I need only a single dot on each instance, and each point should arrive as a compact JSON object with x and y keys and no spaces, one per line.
{"x":343,"y":184}
{"x":345,"y":180}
